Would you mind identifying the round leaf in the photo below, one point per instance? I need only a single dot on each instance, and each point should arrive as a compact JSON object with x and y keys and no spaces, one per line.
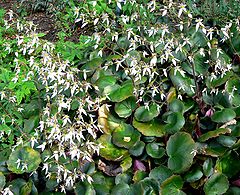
{"x":109,"y":150}
{"x":21,"y":157}
{"x":107,"y":121}
{"x":223,"y":115}
{"x":151,"y":128}
{"x":193,"y":175}
{"x":175,"y":122}
{"x":172,"y":185}
{"x":154,"y":150}
{"x":217,"y":184}
{"x":2,"y":181}
{"x":229,"y":164}
{"x":144,"y":114}
{"x":125,"y":136}
{"x":160,"y":173}
{"x":126,"y":164}
{"x":176,"y":106}
{"x":124,"y":109}
{"x":120,"y":189}
{"x":137,"y":148}
{"x":208,"y":167}
{"x":118,"y":93}
{"x":182,"y":82}
{"x":180,"y":149}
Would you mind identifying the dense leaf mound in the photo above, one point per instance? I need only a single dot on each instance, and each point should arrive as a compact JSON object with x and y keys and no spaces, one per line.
{"x":145,"y":100}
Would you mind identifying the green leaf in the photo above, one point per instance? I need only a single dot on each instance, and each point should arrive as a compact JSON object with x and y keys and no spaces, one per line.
{"x":123,"y":42}
{"x":180,"y":147}
{"x":32,"y":108}
{"x":233,"y":191}
{"x":208,"y":167}
{"x":5,"y":128}
{"x":182,"y":83}
{"x":233,"y":87}
{"x":125,"y":136}
{"x":143,"y":114}
{"x":107,"y":121}
{"x":139,"y":176}
{"x":145,"y":187}
{"x":175,"y":122}
{"x":2,"y":181}
{"x":200,"y":65}
{"x":30,"y":124}
{"x":217,"y":184}
{"x":229,"y":164}
{"x":117,"y":93}
{"x":109,"y":150}
{"x":83,"y":188}
{"x":16,"y":185}
{"x":92,"y":65}
{"x":212,"y":134}
{"x":124,"y":109}
{"x":193,"y":175}
{"x":26,"y":156}
{"x":154,"y":150}
{"x":123,"y":178}
{"x":126,"y":163}
{"x":220,"y":80}
{"x":151,"y":128}
{"x":223,"y":115}
{"x":102,"y":183}
{"x":105,"y":80}
{"x":120,"y":189}
{"x":227,"y":141}
{"x":160,"y":173}
{"x":26,"y":188}
{"x":176,"y":106}
{"x":172,"y":185}
{"x":137,"y":148}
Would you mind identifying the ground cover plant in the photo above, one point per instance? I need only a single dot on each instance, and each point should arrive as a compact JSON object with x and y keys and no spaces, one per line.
{"x":132,"y":97}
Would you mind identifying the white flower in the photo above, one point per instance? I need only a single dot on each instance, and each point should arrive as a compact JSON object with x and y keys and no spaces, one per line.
{"x":42,"y":146}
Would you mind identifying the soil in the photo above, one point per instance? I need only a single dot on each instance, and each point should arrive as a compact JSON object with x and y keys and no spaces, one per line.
{"x":45,"y":22}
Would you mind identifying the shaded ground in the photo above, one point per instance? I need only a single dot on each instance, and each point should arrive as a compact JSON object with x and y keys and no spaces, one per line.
{"x":45,"y":22}
{"x":8,"y":4}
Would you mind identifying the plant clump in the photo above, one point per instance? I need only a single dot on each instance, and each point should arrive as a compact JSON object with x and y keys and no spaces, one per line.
{"x":146,"y":101}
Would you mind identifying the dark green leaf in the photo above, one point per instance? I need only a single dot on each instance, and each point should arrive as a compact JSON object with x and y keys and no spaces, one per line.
{"x":160,"y":173}
{"x":223,"y":115}
{"x":154,"y":150}
{"x":217,"y":184}
{"x":120,"y":189}
{"x":175,"y":122}
{"x":117,"y":93}
{"x":124,"y":109}
{"x":151,"y":128}
{"x":229,"y":164}
{"x":2,"y":181}
{"x":137,"y":148}
{"x":172,"y":185}
{"x":182,"y":83}
{"x":208,"y":167}
{"x":193,"y":175}
{"x":144,"y":114}
{"x":125,"y":136}
{"x":180,"y":149}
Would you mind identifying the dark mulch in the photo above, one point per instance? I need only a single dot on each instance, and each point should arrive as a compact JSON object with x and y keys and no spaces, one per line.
{"x":8,"y":4}
{"x":45,"y":22}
